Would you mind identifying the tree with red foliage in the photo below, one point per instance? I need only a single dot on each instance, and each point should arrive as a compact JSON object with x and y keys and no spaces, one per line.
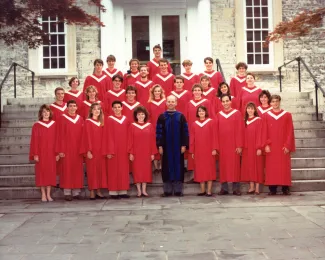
{"x":20,"y":19}
{"x":299,"y":26}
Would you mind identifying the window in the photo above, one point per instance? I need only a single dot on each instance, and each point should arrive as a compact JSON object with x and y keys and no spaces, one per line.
{"x":54,"y":54}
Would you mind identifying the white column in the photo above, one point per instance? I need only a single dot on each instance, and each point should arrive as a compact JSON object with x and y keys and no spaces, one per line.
{"x":106,"y":44}
{"x":118,"y":38}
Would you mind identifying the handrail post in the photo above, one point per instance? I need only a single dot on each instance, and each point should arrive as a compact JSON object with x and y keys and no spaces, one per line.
{"x":316,"y":97}
{"x":33,"y":82}
{"x":15,"y":81}
{"x":280,"y":78}
{"x":299,"y":74}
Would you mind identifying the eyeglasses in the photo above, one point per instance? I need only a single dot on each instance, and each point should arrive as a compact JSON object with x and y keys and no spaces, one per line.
{"x":117,"y":80}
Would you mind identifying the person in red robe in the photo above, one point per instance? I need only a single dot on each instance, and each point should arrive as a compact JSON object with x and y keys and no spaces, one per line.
{"x":164,"y":78}
{"x":115,"y":148}
{"x":91,"y":148}
{"x":142,"y":149}
{"x":239,"y":81}
{"x":183,"y":95}
{"x":190,"y":78}
{"x":91,"y":97}
{"x":69,"y":134}
{"x":279,"y":144}
{"x":215,"y":76}
{"x":252,"y":160}
{"x":74,"y":93}
{"x":116,"y":93}
{"x":265,"y":98}
{"x":153,"y":64}
{"x":203,"y":148}
{"x":224,"y":89}
{"x":130,"y":103}
{"x":99,"y":79}
{"x":132,"y":74}
{"x":156,"y":106}
{"x":230,"y":135}
{"x":111,"y":71}
{"x":249,"y":93}
{"x":59,"y":107}
{"x":143,"y":85}
{"x":42,"y":151}
{"x":208,"y":92}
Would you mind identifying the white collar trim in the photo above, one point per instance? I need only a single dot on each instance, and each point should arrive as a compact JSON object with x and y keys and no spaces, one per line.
{"x":159,"y":102}
{"x":141,"y":126}
{"x":203,"y":123}
{"x":116,"y":94}
{"x":89,"y":104}
{"x":74,"y":94}
{"x":210,"y":74}
{"x":251,"y":90}
{"x":164,"y":78}
{"x":179,"y":95}
{"x":228,"y":115}
{"x":111,"y":74}
{"x":154,"y":63}
{"x":205,"y":93}
{"x":197,"y":103}
{"x":70,"y":119}
{"x":239,"y":79}
{"x":120,"y":121}
{"x":98,"y":79}
{"x":276,"y":117}
{"x":60,"y":108}
{"x":188,"y":77}
{"x":46,"y":125}
{"x":253,"y":120}
{"x":134,"y":75}
{"x":93,"y":121}
{"x":143,"y":85}
{"x":264,"y":110}
{"x":131,"y":107}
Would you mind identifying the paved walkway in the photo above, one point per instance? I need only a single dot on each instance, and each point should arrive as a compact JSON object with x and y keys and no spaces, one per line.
{"x":247,"y":227}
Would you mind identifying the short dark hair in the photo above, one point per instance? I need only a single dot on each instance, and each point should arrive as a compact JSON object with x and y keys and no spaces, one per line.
{"x":225,"y":95}
{"x":275,"y":97}
{"x":203,"y":108}
{"x":71,"y":101}
{"x":163,"y":60}
{"x":117,"y":102}
{"x":117,"y":76}
{"x":241,"y":65}
{"x":72,"y":79}
{"x":219,"y":93}
{"x":267,"y":94}
{"x":197,"y":85}
{"x":208,"y":58}
{"x":47,"y":108}
{"x":250,"y":74}
{"x":133,"y":88}
{"x":100,"y":61}
{"x":179,"y":77}
{"x":140,"y":109}
{"x":57,"y":89}
{"x":110,"y":58}
{"x":157,"y":46}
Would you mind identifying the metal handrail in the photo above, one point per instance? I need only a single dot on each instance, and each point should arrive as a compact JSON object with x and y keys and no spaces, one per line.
{"x":14,"y":65}
{"x":219,"y":68}
{"x":317,"y":85}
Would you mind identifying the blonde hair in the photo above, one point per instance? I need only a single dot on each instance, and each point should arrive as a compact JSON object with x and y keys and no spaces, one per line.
{"x":152,"y":90}
{"x":187,"y":62}
{"x":101,"y":115}
{"x":88,"y":90}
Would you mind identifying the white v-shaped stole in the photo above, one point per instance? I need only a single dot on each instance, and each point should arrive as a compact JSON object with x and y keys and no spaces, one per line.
{"x":141,"y":126}
{"x":130,"y":107}
{"x":253,"y":120}
{"x":134,"y":75}
{"x":70,"y":119}
{"x":251,"y":90}
{"x":180,"y":94}
{"x":208,"y":91}
{"x":98,"y":79}
{"x":203,"y":123}
{"x":228,"y":115}
{"x":262,"y":110}
{"x":120,"y":121}
{"x":117,"y":94}
{"x":210,"y":75}
{"x":46,"y":125}
{"x":188,"y":77}
{"x":111,"y":74}
{"x":197,"y":103}
{"x":58,"y":107}
{"x":144,"y":85}
{"x":93,"y":121}
{"x":159,"y":102}
{"x":74,"y":94}
{"x":155,"y":63}
{"x":239,"y":79}
{"x":164,"y":78}
{"x":276,"y":117}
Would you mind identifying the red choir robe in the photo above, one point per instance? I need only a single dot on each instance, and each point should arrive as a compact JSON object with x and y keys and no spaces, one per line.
{"x":165,"y":81}
{"x":74,"y":95}
{"x":142,"y":144}
{"x":155,"y":109}
{"x":262,"y":110}
{"x":92,"y":140}
{"x":128,"y":109}
{"x":112,"y":73}
{"x":111,"y":96}
{"x":230,"y":136}
{"x":203,"y":141}
{"x":210,"y":94}
{"x":215,"y":77}
{"x":249,"y":95}
{"x":153,"y":66}
{"x":102,"y":84}
{"x":115,"y":143}
{"x":42,"y":144}
{"x":143,"y":89}
{"x":236,"y":84}
{"x":218,"y":105}
{"x":189,"y":80}
{"x":85,"y":106}
{"x":252,"y":164}
{"x":278,"y":127}
{"x":68,"y":142}
{"x":58,"y":110}
{"x":183,"y":97}
{"x":130,"y":79}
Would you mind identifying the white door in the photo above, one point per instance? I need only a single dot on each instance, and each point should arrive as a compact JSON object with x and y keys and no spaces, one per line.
{"x":144,"y":28}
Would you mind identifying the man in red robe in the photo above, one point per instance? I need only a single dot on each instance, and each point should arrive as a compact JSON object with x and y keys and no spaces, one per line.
{"x":239,"y":81}
{"x":130,"y":103}
{"x":115,"y":148}
{"x":215,"y":76}
{"x":153,"y":64}
{"x":68,"y":140}
{"x":280,"y":142}
{"x":230,"y":135}
{"x":116,"y":93}
{"x":190,"y":78}
{"x":100,"y":80}
{"x":59,"y":107}
{"x":183,"y":95}
{"x":143,"y":85}
{"x":111,"y":71}
{"x":164,"y":78}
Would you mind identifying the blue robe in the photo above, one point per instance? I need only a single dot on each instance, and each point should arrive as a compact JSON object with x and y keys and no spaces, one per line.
{"x":172,"y":134}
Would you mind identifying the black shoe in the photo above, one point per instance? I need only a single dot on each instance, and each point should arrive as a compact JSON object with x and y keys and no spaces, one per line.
{"x":201,"y":194}
{"x":165,"y":194}
{"x":68,"y":197}
{"x":78,"y":197}
{"x":124,"y":196}
{"x":178,"y":194}
{"x":208,"y":195}
{"x":92,"y":198}
{"x":223,"y":192}
{"x":271,"y":193}
{"x":100,"y":197}
{"x":286,"y":193}
{"x":250,"y":192}
{"x":115,"y":197}
{"x":236,"y":192}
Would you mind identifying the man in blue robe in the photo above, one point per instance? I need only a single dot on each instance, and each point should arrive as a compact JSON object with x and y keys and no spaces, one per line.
{"x":172,"y":140}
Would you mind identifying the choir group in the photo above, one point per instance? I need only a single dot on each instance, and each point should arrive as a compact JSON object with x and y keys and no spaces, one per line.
{"x":122,"y":123}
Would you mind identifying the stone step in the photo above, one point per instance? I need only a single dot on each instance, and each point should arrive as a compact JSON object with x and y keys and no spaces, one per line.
{"x":13,"y":123}
{"x":20,"y":115}
{"x":15,"y":131}
{"x":14,"y":149}
{"x":305,"y":116}
{"x":8,"y":140}
{"x":20,"y":108}
{"x":309,"y":152}
{"x":30,"y":101}
{"x":299,"y":108}
{"x":308,"y":124}
{"x":310,"y":133}
{"x":298,"y":163}
{"x":310,"y":142}
{"x":14,"y":159}
{"x":16,"y":169}
{"x":292,"y":95}
{"x":153,"y":189}
{"x":308,"y":174}
{"x":296,"y":101}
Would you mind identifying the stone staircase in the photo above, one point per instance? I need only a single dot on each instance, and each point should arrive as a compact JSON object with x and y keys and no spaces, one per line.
{"x":17,"y":173}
